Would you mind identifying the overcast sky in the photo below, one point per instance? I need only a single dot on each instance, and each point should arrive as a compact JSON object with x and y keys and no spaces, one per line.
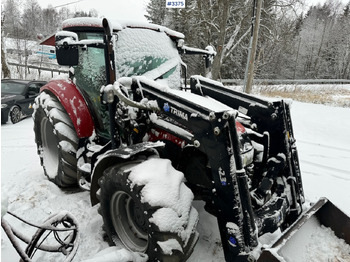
{"x":116,"y":9}
{"x":119,"y":9}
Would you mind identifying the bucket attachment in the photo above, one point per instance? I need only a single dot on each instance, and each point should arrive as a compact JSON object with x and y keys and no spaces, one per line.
{"x":323,"y":226}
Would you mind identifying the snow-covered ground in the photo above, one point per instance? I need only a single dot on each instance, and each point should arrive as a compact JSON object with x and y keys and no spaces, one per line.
{"x":323,"y":141}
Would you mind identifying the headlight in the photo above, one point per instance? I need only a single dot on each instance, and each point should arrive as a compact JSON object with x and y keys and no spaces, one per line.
{"x":3,"y":105}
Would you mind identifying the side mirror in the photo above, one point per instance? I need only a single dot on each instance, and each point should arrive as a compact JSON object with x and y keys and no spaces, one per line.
{"x":66,"y":48}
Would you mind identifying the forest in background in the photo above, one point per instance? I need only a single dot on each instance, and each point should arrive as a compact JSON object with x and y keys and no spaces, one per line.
{"x":292,"y":45}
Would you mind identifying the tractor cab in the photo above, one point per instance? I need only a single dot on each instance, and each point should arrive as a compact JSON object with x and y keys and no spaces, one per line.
{"x":137,"y":50}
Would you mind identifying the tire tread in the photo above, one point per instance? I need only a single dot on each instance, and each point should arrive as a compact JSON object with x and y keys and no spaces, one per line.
{"x":48,"y":106}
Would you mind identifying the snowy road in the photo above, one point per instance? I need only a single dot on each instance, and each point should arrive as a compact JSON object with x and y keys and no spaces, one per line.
{"x":323,"y":142}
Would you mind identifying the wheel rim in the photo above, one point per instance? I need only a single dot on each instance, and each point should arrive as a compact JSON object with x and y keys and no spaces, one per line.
{"x":129,"y":221}
{"x":49,"y":148}
{"x":15,"y":115}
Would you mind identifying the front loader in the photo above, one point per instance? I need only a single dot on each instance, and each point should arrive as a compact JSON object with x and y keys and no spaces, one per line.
{"x":126,"y":127}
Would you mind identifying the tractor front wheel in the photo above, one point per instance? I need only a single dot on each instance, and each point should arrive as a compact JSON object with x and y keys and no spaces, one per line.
{"x":149,"y":212}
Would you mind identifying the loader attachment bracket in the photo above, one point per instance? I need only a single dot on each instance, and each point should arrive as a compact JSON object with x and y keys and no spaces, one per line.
{"x":322,"y":213}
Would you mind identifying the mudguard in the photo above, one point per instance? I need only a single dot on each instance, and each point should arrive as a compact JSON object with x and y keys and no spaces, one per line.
{"x":118,"y":156}
{"x":74,"y":103}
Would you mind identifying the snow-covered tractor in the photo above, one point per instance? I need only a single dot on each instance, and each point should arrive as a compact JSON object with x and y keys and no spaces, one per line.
{"x":125,"y":126}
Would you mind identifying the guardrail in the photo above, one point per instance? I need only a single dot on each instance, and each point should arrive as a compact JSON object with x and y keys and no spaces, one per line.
{"x":286,"y":81}
{"x":224,"y":81}
{"x":39,"y":68}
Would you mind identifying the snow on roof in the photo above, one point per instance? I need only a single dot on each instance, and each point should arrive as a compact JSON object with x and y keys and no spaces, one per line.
{"x":118,"y":25}
{"x":86,"y":21}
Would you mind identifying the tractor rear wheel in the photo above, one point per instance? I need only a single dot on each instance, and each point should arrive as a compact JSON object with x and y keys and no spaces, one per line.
{"x":56,"y":140}
{"x":137,"y":210}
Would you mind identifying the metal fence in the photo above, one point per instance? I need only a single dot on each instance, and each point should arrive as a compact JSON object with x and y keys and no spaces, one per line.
{"x":286,"y":81}
{"x":224,"y":81}
{"x":40,"y":68}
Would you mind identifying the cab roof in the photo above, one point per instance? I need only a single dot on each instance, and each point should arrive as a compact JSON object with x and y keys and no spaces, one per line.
{"x":96,"y":23}
{"x":118,"y":25}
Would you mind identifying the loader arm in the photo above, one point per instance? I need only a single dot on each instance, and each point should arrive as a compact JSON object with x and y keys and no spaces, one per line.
{"x":272,"y":117}
{"x":209,"y":125}
{"x":213,"y":132}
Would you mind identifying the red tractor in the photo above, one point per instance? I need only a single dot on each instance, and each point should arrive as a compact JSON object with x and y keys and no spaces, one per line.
{"x":125,"y":126}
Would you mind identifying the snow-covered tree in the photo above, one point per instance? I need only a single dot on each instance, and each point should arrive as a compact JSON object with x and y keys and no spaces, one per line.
{"x":156,"y":12}
{"x":226,"y":24}
{"x":50,"y":21}
{"x":341,"y":43}
{"x":277,"y":52}
{"x":32,"y":19}
{"x":11,"y":19}
{"x":322,"y":42}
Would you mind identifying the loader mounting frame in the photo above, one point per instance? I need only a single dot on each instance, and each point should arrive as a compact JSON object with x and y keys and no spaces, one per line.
{"x":215,"y":134}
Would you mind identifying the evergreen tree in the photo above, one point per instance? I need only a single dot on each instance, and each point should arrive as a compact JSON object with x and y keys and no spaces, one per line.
{"x":156,"y":11}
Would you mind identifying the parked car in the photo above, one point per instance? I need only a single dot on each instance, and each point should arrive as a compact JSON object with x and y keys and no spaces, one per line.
{"x":17,"y":98}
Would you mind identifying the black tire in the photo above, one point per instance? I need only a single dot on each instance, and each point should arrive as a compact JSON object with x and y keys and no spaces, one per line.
{"x":56,"y":140}
{"x":15,"y":114}
{"x":128,"y":216}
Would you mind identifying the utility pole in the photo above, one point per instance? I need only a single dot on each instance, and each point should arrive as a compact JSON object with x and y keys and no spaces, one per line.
{"x":249,"y":73}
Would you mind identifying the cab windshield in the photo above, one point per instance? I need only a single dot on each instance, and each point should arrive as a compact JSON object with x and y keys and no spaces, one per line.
{"x":149,"y":53}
